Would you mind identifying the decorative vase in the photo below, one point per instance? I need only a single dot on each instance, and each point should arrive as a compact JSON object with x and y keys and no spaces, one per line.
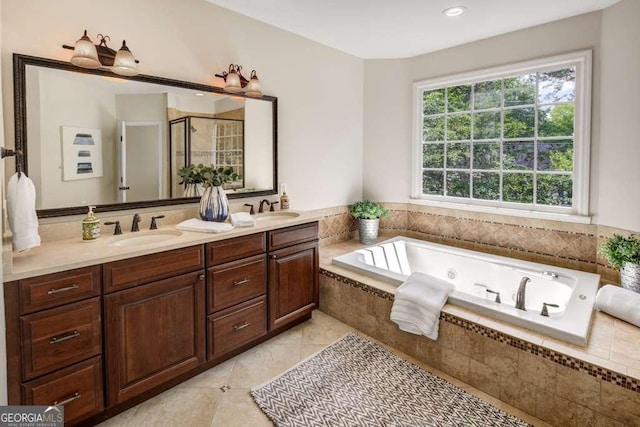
{"x":214,"y":205}
{"x":368,"y":230}
{"x":630,"y":276}
{"x":193,"y":190}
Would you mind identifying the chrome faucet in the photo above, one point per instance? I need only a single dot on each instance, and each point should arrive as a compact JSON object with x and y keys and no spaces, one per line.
{"x":136,"y":221}
{"x":262,"y":202}
{"x":520,"y":305}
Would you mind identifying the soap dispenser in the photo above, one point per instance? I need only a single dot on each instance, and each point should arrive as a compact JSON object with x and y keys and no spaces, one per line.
{"x":284,"y":199}
{"x":90,"y":226}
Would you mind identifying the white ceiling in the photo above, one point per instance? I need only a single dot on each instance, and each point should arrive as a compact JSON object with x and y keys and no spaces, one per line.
{"x":405,"y":28}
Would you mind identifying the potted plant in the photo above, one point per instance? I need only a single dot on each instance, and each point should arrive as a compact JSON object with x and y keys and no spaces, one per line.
{"x":192,"y":177}
{"x":623,"y":253}
{"x":214,"y":205}
{"x":368,"y":215}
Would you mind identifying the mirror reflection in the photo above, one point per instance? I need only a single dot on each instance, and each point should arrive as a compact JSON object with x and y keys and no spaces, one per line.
{"x":102,"y":140}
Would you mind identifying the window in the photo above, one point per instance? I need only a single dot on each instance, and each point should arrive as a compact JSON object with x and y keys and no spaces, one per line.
{"x":508,"y":137}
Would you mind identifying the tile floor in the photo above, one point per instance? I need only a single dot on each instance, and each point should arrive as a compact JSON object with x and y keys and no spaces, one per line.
{"x":220,"y":396}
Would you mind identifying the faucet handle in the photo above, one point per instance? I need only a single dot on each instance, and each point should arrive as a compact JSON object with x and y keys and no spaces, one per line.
{"x":544,"y":311}
{"x":154,"y":225}
{"x":497,"y":294}
{"x":252,"y":211}
{"x":273,"y":205}
{"x":117,"y":229}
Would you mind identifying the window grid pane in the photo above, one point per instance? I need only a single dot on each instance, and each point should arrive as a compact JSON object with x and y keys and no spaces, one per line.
{"x":519,"y":116}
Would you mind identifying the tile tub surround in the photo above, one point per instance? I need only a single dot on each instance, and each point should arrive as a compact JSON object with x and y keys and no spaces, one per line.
{"x":551,"y":242}
{"x":560,"y":383}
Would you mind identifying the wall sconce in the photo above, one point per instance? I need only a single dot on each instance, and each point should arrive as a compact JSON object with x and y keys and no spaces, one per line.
{"x":88,"y":55}
{"x":235,"y":82}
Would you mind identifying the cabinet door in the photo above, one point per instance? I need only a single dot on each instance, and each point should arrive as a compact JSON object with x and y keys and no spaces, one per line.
{"x":293,"y":283}
{"x":154,"y":333}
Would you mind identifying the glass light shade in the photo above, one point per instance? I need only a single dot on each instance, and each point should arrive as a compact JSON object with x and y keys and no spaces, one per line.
{"x":124,"y":62}
{"x":85,"y":54}
{"x":233,"y":82}
{"x":253,"y":89}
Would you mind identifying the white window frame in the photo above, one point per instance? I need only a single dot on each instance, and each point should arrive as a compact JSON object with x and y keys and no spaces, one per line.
{"x":579,"y":212}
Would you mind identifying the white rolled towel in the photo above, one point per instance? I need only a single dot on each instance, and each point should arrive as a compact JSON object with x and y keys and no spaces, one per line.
{"x":619,"y":302}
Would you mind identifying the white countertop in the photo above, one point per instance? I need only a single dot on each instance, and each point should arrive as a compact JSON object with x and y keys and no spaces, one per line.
{"x":61,"y":255}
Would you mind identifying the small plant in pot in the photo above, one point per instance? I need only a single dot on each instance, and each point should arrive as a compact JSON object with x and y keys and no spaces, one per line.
{"x":368,"y":215}
{"x":192,"y":177}
{"x":623,"y":253}
{"x":214,"y":205}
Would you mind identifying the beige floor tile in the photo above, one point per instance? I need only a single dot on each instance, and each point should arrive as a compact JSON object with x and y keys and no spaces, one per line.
{"x":178,"y":406}
{"x":308,"y":350}
{"x":323,"y":329}
{"x":215,"y":377}
{"x":262,"y":363}
{"x":120,"y":419}
{"x":237,"y":408}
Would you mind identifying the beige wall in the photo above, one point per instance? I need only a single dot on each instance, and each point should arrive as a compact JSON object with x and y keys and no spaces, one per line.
{"x":319,"y":89}
{"x":388,"y":95}
{"x":619,"y":157}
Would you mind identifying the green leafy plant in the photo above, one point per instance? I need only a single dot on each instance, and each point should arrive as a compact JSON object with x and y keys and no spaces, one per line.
{"x":192,"y":174}
{"x":618,"y":249}
{"x":366,"y":209}
{"x":207,"y":175}
{"x":218,"y":176}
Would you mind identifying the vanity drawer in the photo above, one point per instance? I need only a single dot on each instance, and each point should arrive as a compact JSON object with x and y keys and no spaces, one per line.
{"x":232,"y":249}
{"x":58,"y":337}
{"x":78,"y":388}
{"x":237,"y":281}
{"x":130,"y":272}
{"x":52,"y":290}
{"x":292,"y":235}
{"x":237,"y":326}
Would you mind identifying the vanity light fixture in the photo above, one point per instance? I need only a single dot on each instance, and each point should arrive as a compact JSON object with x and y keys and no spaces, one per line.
{"x":454,"y":11}
{"x":235,"y":82}
{"x":89,"y":55}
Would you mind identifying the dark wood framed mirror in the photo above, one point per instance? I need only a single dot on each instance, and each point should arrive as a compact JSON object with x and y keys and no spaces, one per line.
{"x":90,"y":137}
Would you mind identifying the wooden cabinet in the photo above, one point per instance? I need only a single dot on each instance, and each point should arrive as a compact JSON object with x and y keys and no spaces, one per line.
{"x":111,"y":335}
{"x":54,"y":342}
{"x":154,"y":332}
{"x":293,"y":274}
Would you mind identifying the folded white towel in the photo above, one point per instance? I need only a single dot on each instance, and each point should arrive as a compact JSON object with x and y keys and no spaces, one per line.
{"x":242,"y":219}
{"x":619,"y":302}
{"x":21,"y":212}
{"x":195,"y":224}
{"x":417,"y":304}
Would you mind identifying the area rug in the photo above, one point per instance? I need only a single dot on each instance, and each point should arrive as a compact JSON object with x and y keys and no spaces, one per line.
{"x":355,"y":382}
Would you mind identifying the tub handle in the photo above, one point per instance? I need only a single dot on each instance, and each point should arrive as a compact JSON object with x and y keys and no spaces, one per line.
{"x":497,"y":294}
{"x":544,"y":311}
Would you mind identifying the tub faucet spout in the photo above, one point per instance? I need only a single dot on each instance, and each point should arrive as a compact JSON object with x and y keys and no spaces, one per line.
{"x":520,"y":301}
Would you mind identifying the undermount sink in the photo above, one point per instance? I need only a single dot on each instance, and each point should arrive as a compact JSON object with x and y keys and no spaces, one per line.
{"x":144,"y":238}
{"x":276,"y":216}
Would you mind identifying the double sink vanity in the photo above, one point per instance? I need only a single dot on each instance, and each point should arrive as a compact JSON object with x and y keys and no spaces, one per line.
{"x":99,"y":327}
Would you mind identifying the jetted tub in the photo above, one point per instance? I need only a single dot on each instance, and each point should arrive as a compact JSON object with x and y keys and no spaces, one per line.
{"x":478,"y":277}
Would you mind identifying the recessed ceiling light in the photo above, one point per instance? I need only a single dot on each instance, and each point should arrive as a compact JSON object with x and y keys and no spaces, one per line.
{"x":454,"y":11}
{"x":199,"y":94}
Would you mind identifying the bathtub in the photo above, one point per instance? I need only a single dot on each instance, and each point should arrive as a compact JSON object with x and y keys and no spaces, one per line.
{"x":478,"y":278}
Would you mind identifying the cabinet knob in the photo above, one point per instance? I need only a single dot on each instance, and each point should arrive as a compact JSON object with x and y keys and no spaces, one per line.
{"x":274,"y":256}
{"x":201,"y":277}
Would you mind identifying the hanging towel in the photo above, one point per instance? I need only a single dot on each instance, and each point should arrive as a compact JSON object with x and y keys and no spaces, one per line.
{"x":417,"y":304}
{"x":242,"y":219}
{"x":195,"y":224}
{"x":619,"y":302}
{"x":21,"y":212}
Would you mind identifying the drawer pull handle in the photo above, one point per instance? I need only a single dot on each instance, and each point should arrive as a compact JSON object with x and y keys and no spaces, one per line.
{"x":57,"y":291}
{"x":241,"y":326}
{"x":241,"y":282}
{"x":74,"y":396}
{"x":274,"y":256}
{"x":56,"y":340}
